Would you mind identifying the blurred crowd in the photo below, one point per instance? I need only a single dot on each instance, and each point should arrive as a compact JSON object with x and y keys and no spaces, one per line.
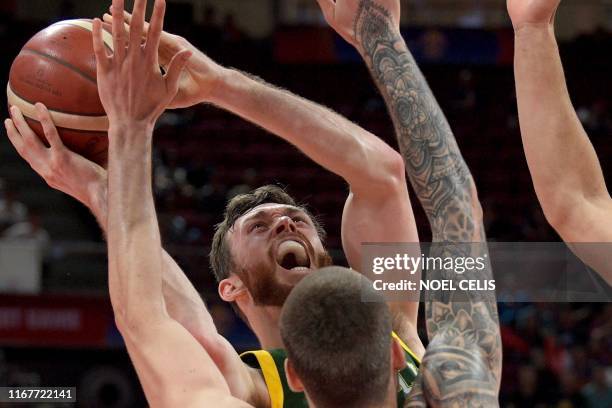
{"x":17,"y":222}
{"x":555,"y":355}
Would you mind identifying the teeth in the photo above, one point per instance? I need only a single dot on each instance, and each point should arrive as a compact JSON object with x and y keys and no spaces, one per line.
{"x":299,"y":268}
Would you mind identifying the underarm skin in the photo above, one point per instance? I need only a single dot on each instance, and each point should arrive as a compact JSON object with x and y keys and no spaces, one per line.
{"x":182,"y":300}
{"x":555,"y":141}
{"x":184,"y":304}
{"x":564,"y":167}
{"x":462,"y":364}
{"x":327,"y":138}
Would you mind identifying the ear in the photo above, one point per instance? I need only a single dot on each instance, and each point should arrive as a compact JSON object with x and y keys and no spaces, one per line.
{"x":231,"y":288}
{"x":293,"y":380}
{"x":398,"y":358}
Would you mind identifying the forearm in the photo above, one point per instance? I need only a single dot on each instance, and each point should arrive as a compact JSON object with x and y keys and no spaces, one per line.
{"x":462,"y":327}
{"x":182,"y":300}
{"x":435,"y":167}
{"x":561,"y":159}
{"x":184,"y":303}
{"x":332,"y":141}
{"x":447,"y":192}
{"x":134,"y":245}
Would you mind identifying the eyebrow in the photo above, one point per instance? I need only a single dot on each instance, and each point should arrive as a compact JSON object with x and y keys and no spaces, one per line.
{"x":286,"y":211}
{"x":256,"y":216}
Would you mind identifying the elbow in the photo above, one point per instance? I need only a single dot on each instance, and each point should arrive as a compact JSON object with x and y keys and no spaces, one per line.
{"x":122,"y":324}
{"x":134,"y":327}
{"x":559,"y":213}
{"x":390,"y":173}
{"x":126,"y":325}
{"x":556,"y":217}
{"x":396,"y":170}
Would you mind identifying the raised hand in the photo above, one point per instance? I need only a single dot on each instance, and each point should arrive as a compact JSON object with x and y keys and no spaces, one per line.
{"x":61,"y":168}
{"x":532,"y":12}
{"x":342,"y":15}
{"x":201,"y":74}
{"x":130,"y":85}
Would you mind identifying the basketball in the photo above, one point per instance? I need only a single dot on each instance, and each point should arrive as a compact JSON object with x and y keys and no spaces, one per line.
{"x":58,"y":68}
{"x":356,"y":203}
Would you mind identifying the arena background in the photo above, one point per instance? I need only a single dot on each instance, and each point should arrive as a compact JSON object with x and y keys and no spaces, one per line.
{"x":56,"y":325}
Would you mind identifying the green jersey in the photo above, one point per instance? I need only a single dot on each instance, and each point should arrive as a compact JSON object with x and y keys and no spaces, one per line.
{"x":272,"y":366}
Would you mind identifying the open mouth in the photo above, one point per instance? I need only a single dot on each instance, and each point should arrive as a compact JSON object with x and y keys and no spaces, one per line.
{"x":292,"y":255}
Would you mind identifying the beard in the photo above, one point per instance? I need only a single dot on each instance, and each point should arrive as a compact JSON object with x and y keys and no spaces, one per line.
{"x":264,"y":285}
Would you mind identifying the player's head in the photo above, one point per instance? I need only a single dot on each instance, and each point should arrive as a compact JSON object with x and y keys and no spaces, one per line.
{"x":339,"y":349}
{"x":265,"y":245}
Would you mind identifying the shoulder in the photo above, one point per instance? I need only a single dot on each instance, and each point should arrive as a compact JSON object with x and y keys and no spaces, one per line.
{"x":208,"y":398}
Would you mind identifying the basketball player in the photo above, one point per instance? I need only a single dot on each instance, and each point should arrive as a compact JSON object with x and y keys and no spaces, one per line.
{"x":458,"y":215}
{"x":285,"y":239}
{"x":462,"y":364}
{"x":362,"y":372}
{"x":133,"y":94}
{"x":174,"y":370}
{"x":564,"y":167}
{"x":464,"y":335}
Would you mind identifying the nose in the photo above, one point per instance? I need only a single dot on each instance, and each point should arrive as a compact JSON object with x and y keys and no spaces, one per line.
{"x":284,"y":224}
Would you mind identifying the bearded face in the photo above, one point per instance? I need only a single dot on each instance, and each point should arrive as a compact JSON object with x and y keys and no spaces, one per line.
{"x":273,"y":247}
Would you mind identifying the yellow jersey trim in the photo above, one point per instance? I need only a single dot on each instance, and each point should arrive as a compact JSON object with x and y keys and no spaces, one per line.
{"x":271,"y":377}
{"x":406,"y":348}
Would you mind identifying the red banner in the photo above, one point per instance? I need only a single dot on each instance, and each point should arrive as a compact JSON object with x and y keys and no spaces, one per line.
{"x":54,"y":320}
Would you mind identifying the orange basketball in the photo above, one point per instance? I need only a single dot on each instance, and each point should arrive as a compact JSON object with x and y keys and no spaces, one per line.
{"x":58,"y":68}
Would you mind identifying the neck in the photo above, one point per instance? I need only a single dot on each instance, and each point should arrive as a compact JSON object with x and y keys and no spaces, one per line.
{"x":391,"y":395}
{"x":265,"y":322}
{"x":389,"y":400}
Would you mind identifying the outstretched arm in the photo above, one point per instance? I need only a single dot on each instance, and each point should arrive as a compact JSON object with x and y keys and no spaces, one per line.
{"x":564,"y":166}
{"x":462,"y":364}
{"x":87,"y":182}
{"x":374,"y":171}
{"x":435,"y":167}
{"x":134,"y":94}
{"x":371,"y":167}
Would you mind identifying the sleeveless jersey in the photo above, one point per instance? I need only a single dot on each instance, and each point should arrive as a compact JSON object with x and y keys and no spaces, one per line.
{"x":272,"y":366}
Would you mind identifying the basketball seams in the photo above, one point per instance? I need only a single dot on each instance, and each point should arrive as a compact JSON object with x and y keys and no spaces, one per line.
{"x":55,"y":67}
{"x":10,"y":90}
{"x":61,"y":62}
{"x":87,"y":25}
{"x":98,"y":155}
{"x":61,"y":119}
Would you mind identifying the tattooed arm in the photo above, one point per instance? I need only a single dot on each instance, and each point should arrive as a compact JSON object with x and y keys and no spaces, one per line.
{"x":462,"y":364}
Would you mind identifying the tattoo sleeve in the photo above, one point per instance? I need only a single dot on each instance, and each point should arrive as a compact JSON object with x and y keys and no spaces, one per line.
{"x":462,"y":364}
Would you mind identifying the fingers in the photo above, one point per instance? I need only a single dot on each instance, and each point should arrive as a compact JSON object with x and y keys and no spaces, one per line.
{"x":177,"y":64}
{"x":27,"y":134}
{"x":102,"y":60}
{"x":44,"y":117}
{"x":137,"y":23}
{"x":107,"y":18}
{"x":156,"y":28}
{"x":119,"y":31}
{"x":14,"y":136}
{"x":128,"y":18}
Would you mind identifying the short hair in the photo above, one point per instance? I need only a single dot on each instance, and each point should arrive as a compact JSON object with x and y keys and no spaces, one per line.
{"x":339,"y":346}
{"x":220,"y":255}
